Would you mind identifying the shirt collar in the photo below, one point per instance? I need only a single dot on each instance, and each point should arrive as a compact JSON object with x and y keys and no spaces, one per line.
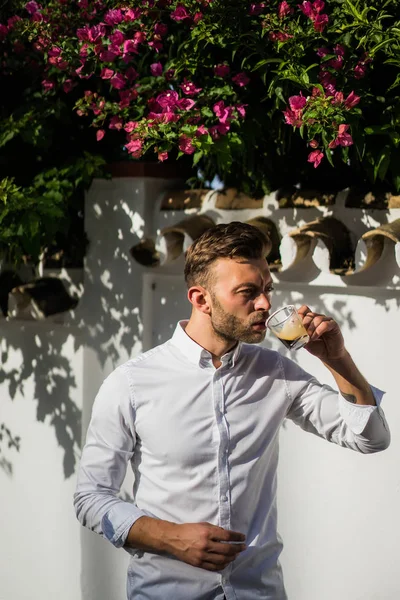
{"x":195,"y":353}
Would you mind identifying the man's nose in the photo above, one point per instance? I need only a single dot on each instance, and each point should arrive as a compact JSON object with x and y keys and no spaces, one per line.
{"x":263,"y":302}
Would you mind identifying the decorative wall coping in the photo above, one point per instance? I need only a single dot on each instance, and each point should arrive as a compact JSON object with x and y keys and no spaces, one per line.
{"x":330,"y":245}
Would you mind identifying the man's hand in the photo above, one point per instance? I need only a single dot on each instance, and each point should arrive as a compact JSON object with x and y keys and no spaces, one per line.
{"x":326,"y":339}
{"x":204,"y":545}
{"x":198,"y":544}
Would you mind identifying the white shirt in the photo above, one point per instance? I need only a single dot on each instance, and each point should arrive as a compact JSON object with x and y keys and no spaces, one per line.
{"x":203,"y":446}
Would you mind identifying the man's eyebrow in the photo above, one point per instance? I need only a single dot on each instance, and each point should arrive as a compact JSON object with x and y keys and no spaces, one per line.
{"x":251,"y":284}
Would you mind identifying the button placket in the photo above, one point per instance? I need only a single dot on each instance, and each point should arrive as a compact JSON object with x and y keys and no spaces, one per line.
{"x":223,"y":466}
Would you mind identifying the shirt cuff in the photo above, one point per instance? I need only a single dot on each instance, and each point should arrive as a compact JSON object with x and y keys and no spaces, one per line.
{"x":357,"y":416}
{"x":117,"y":522}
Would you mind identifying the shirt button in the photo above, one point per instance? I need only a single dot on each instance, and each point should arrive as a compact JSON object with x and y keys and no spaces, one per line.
{"x":224,"y":498}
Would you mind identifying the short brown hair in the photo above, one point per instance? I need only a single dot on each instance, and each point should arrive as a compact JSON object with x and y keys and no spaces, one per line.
{"x":227,"y":240}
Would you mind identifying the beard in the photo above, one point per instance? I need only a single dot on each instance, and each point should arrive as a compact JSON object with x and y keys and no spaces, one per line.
{"x":230,"y":328}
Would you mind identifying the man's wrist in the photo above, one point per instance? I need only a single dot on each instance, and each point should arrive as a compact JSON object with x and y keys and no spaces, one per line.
{"x":151,"y":534}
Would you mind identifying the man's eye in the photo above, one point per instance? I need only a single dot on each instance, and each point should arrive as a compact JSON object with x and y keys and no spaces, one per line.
{"x":247,"y":292}
{"x":269,"y":290}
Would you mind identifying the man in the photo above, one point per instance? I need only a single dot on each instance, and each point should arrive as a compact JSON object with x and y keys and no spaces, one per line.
{"x":199,"y":417}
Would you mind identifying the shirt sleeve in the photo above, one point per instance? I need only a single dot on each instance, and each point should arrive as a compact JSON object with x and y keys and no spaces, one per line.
{"x":319,"y":409}
{"x":110,"y":445}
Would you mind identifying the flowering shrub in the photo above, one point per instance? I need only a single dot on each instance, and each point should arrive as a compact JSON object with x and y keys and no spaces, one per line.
{"x":256,"y":93}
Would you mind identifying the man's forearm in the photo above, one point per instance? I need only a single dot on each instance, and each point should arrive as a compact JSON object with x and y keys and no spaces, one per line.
{"x":351,"y":383}
{"x":150,"y":534}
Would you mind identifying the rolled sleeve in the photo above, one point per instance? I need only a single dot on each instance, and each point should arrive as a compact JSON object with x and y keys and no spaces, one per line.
{"x":357,"y":416}
{"x":320,"y":410}
{"x":117,"y":522}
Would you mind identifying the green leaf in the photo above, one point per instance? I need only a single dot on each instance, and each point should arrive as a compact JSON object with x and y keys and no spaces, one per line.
{"x":381,"y":167}
{"x":197,"y":156}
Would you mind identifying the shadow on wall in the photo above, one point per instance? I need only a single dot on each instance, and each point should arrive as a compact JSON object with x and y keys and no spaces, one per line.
{"x":40,"y":348}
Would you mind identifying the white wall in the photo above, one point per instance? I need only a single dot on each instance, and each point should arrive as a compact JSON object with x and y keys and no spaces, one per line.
{"x":338,"y":510}
{"x":40,"y":401}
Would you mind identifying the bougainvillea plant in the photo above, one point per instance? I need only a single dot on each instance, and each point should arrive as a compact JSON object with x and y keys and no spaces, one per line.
{"x":254,"y":93}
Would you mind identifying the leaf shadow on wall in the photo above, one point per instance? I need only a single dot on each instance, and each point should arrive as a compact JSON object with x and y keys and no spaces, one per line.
{"x":41,"y":348}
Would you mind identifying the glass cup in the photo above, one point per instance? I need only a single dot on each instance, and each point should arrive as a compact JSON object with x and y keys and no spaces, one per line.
{"x":287,"y":325}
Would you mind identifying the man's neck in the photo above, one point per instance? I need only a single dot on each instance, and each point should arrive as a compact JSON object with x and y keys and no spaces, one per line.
{"x":207,"y":339}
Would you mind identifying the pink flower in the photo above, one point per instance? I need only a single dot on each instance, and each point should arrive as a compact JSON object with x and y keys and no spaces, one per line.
{"x":323,"y":51}
{"x":32,"y":7}
{"x":91,"y":34}
{"x":166,"y":116}
{"x":54,"y":51}
{"x":197,"y":17}
{"x":131,"y":74}
{"x":256,"y":9}
{"x":160,"y":29}
{"x":156,"y":69}
{"x":315,"y":157}
{"x":338,"y":98}
{"x":180,"y":13}
{"x":318,"y":6}
{"x":134,"y":147}
{"x":114,"y":17}
{"x":279,"y":36}
{"x":47,"y":85}
{"x":360,"y":70}
{"x":201,"y":130}
{"x":118,"y":81}
{"x":185,"y":104}
{"x":221,"y":70}
{"x":108,"y":56}
{"x":241,"y":79}
{"x":117,"y":38}
{"x":217,"y":130}
{"x":3,"y":31}
{"x":168,"y":99}
{"x":156,"y":45}
{"x":293,"y":117}
{"x":297,"y":102}
{"x":106,"y":73}
{"x":241,"y":109}
{"x":336,"y":63}
{"x":320,"y":22}
{"x":339,"y":50}
{"x":185,"y":145}
{"x":307,"y":9}
{"x":130,"y":47}
{"x":100,"y":133}
{"x":313,"y":144}
{"x":344,"y":138}
{"x":162,"y":156}
{"x":131,"y":14}
{"x":130,"y":126}
{"x":115,"y":123}
{"x":68,"y":85}
{"x":328,"y":81}
{"x":189,"y":88}
{"x":224,"y":113}
{"x":351,"y":100}
{"x":284,"y":9}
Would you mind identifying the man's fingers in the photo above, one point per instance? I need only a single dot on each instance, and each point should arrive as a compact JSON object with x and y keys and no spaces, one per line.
{"x":226,"y":549}
{"x":227,"y":535}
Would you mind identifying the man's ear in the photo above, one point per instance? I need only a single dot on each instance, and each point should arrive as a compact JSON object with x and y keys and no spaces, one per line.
{"x":199,"y":298}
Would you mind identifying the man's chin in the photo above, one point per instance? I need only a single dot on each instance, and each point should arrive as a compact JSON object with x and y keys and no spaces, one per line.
{"x":254,"y":337}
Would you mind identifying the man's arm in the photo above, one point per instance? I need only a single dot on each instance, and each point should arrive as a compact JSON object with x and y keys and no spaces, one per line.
{"x":353,"y":418}
{"x":327,"y":344}
{"x":199,"y":544}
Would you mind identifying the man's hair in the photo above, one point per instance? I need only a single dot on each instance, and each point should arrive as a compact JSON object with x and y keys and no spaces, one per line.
{"x":227,"y":240}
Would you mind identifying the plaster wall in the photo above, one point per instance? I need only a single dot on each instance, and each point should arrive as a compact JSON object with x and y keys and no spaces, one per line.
{"x":338,"y":510}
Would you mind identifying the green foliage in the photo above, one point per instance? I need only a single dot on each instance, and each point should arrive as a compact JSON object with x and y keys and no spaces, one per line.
{"x":275,"y":89}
